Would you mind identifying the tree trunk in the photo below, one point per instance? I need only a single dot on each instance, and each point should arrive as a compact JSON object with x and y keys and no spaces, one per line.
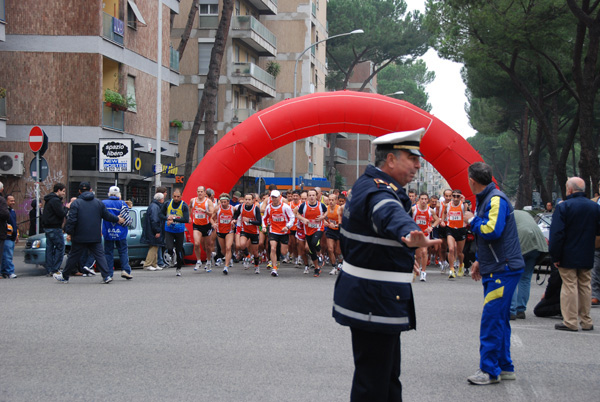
{"x":208,"y":101}
{"x":524,"y":188}
{"x":185,"y":36}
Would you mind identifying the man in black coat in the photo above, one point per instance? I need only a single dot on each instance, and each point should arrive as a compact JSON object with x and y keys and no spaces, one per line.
{"x":53,"y":218}
{"x":151,"y":231}
{"x":4,"y":216}
{"x":84,"y":227}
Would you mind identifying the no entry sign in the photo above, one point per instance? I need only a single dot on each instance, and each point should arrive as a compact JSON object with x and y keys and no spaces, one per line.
{"x":38,"y":140}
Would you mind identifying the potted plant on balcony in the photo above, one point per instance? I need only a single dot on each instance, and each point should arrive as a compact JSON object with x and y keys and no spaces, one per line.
{"x":176,"y":123}
{"x":2,"y":93}
{"x":116,"y":101}
{"x":273,"y":68}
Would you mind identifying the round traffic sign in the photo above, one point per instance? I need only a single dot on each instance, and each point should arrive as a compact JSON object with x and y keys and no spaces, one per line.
{"x":43,"y":169}
{"x":36,"y":139}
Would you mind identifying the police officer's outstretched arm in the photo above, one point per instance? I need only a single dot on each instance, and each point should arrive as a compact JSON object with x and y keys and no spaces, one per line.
{"x":391,"y":220}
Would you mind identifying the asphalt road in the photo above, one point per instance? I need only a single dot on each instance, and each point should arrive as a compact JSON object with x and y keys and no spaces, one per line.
{"x":247,"y":337}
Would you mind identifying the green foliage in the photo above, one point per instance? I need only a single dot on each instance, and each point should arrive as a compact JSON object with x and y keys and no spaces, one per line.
{"x":389,"y":35}
{"x":273,"y":68}
{"x":176,"y":123}
{"x":409,"y":77}
{"x":2,"y":93}
{"x":117,"y":99}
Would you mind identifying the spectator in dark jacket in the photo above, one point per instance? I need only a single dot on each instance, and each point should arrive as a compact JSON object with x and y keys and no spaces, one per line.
{"x":84,"y":226}
{"x":32,"y":219}
{"x":52,"y":220}
{"x":549,"y":306}
{"x":151,"y":231}
{"x":4,"y":217}
{"x":12,"y":237}
{"x":575,"y":225}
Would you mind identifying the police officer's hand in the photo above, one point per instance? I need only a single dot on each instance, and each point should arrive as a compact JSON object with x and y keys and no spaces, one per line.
{"x":417,"y":238}
{"x":475,"y":274}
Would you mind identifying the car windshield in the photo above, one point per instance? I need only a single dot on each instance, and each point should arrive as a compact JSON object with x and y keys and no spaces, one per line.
{"x":544,"y":219}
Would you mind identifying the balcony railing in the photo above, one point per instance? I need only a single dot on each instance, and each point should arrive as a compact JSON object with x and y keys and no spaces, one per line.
{"x":252,"y":70}
{"x":174,"y":59}
{"x":265,"y":164}
{"x":239,"y":115}
{"x":174,"y":135}
{"x":248,"y":22}
{"x":111,"y":118}
{"x":209,"y":21}
{"x":2,"y":107}
{"x":112,"y":28}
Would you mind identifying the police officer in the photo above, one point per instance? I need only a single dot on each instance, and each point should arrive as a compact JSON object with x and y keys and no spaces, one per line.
{"x":373,"y":294}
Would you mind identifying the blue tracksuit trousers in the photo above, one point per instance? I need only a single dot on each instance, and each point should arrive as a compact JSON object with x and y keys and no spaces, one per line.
{"x":494,"y":348}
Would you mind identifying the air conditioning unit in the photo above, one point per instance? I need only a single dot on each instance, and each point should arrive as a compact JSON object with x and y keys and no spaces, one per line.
{"x":11,"y":163}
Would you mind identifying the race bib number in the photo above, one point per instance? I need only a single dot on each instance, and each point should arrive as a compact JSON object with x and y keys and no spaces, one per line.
{"x":199,"y":215}
{"x":421,"y":221}
{"x":278,"y":218}
{"x":314,"y":225}
{"x":225,"y":220}
{"x":454,"y":216}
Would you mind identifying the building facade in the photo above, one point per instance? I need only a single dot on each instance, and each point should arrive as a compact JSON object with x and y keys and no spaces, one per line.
{"x":61,"y":65}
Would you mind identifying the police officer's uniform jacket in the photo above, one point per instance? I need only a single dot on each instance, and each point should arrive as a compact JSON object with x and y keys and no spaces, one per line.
{"x":373,"y":291}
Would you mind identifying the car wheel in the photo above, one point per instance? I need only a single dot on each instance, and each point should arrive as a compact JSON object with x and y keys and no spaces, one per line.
{"x":170,"y":261}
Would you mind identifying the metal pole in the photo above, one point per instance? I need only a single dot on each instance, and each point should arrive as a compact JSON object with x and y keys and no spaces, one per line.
{"x":37,"y":192}
{"x":295,"y":94}
{"x":159,"y":92}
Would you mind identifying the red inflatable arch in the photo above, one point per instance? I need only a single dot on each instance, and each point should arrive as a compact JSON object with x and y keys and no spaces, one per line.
{"x":330,"y":112}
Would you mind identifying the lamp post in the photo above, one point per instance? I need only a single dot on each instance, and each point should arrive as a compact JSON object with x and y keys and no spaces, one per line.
{"x":358,"y":138}
{"x":356,"y":31}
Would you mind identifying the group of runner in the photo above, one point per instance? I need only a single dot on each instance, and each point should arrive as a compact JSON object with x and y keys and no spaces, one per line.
{"x":302,"y":227}
{"x":297,"y":226}
{"x":441,"y":218}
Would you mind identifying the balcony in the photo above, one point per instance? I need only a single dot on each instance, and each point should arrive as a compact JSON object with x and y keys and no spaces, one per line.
{"x":265,"y":6}
{"x":254,"y":34}
{"x":239,"y":115}
{"x":265,"y":164}
{"x":341,"y":155}
{"x":112,"y":29}
{"x":174,"y":135}
{"x":208,"y":22}
{"x":173,"y":59}
{"x":113,"y":119}
{"x":2,"y":11}
{"x":254,"y":78}
{"x":2,"y":108}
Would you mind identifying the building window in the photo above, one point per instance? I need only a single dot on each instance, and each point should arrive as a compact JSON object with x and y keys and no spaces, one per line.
{"x":209,"y":9}
{"x":131,"y":92}
{"x":204,"y":50}
{"x":238,"y":9}
{"x":131,"y":20}
{"x":85,"y":157}
{"x":317,"y":40}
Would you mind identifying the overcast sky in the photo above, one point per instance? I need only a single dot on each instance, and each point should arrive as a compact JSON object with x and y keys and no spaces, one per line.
{"x":447,"y":91}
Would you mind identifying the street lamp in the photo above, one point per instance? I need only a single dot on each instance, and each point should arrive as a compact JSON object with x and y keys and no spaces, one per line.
{"x":358,"y":138}
{"x":356,"y":31}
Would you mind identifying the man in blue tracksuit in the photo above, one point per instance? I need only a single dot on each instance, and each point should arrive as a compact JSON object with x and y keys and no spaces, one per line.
{"x":115,"y":235}
{"x":499,"y":265}
{"x":373,"y":294}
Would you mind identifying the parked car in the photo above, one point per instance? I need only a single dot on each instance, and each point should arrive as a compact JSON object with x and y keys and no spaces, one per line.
{"x":35,"y":247}
{"x":544,"y":220}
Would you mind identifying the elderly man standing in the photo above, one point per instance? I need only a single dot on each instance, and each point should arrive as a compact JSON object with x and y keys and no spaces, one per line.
{"x":152,"y":231}
{"x":575,"y":225}
{"x":373,"y":294}
{"x":499,"y":265}
{"x":115,"y":235}
{"x":4,"y":217}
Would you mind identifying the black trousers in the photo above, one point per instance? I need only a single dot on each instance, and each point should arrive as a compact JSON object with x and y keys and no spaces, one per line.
{"x":376,"y":367}
{"x":175,"y":240}
{"x":77,"y":250}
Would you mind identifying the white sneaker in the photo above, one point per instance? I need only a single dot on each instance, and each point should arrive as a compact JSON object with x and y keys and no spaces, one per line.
{"x":208,"y":267}
{"x":306,"y":270}
{"x":198,"y":265}
{"x":333,"y":271}
{"x":257,"y":270}
{"x":178,"y":272}
{"x":150,"y":268}
{"x":12,"y":276}
{"x":225,"y":271}
{"x":219,"y":262}
{"x":423,"y":276}
{"x":158,"y":268}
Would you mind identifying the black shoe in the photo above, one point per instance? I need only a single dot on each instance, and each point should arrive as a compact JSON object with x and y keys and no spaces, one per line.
{"x":513,"y":317}
{"x":588,"y":329}
{"x":563,"y":327}
{"x":521,"y":315}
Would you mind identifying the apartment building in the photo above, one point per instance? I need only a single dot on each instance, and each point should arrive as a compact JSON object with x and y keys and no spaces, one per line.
{"x":59,"y":64}
{"x":265,"y":38}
